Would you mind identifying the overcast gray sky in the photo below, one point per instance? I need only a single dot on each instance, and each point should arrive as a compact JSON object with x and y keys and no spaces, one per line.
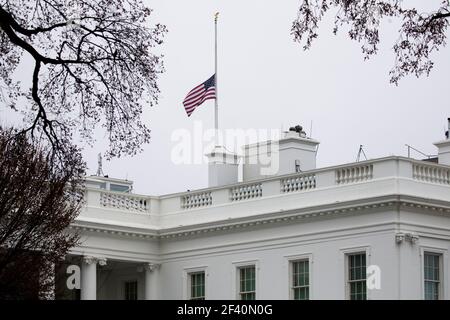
{"x":267,"y":81}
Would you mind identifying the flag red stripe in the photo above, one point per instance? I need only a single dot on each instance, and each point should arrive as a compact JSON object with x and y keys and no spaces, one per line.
{"x":197,"y":87}
{"x":209,"y":93}
{"x":199,"y":94}
{"x":193,"y":103}
{"x":191,"y":108}
{"x":197,"y":99}
{"x":208,"y":97}
{"x":190,"y":98}
{"x":193,"y":93}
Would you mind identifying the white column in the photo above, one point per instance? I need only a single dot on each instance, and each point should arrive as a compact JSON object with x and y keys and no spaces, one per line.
{"x":151,"y":281}
{"x":89,"y":277}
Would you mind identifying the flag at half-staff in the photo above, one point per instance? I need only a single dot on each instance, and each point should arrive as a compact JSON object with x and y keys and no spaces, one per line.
{"x":198,"y":95}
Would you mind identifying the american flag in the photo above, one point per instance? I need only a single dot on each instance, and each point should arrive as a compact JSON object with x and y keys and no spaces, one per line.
{"x":198,"y":95}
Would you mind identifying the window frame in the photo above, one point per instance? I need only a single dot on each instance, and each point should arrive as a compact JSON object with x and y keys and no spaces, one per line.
{"x":365,"y":249}
{"x":248,"y":292}
{"x":236,"y":275}
{"x":289,"y":265}
{"x":292,"y":286}
{"x":124,"y":286}
{"x":442,"y":253}
{"x":187,"y":272}
{"x":190,"y":275}
{"x":359,"y":280}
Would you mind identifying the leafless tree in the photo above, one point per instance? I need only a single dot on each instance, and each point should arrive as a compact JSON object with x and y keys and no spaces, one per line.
{"x":420,"y":33}
{"x":91,"y":65}
{"x":38,"y":201}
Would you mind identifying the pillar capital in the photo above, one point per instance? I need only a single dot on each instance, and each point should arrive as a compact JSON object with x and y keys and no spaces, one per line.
{"x":151,"y":266}
{"x":151,"y":280}
{"x":102,"y":261}
{"x":93,"y":260}
{"x":89,"y":260}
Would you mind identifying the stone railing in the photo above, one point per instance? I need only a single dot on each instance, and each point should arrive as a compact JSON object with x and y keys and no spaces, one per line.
{"x":354,"y":174}
{"x":430,"y":173}
{"x":125,"y":201}
{"x":196,"y":200}
{"x":298,"y":183}
{"x":245,"y":192}
{"x":343,"y":176}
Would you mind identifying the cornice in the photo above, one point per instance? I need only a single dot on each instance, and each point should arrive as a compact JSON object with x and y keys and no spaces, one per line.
{"x":116,"y":230}
{"x":282,"y":216}
{"x":273,"y":218}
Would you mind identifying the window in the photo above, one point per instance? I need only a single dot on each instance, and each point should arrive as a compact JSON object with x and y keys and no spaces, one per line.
{"x":431,"y":262}
{"x":247,"y":283}
{"x":297,"y":166}
{"x":300,"y":279}
{"x":131,"y":290}
{"x":197,"y":285}
{"x":119,"y":188}
{"x":357,"y":276}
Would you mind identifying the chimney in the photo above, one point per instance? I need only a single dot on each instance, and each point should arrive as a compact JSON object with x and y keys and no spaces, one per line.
{"x":294,"y":153}
{"x":444,"y":148}
{"x":222,"y":167}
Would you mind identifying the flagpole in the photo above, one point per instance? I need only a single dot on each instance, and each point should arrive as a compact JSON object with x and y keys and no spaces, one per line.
{"x":216,"y":107}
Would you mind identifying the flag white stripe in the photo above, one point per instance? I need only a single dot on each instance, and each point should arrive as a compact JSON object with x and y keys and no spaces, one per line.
{"x":194,"y":93}
{"x":193,"y":103}
{"x":199,"y":97}
{"x":199,"y":94}
{"x":210,"y":93}
{"x":194,"y":97}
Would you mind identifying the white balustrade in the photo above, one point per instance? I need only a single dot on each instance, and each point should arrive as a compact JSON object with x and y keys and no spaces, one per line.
{"x":196,"y":200}
{"x":354,"y":174}
{"x":245,"y":192}
{"x":430,"y":173}
{"x":298,"y":183}
{"x":124,"y":201}
{"x":314,"y":179}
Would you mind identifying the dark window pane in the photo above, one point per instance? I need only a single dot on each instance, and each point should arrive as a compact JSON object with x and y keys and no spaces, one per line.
{"x":130,"y":290}
{"x":431,"y":276}
{"x":247,"y":282}
{"x":197,"y":286}
{"x":357,"y":276}
{"x":300,"y":280}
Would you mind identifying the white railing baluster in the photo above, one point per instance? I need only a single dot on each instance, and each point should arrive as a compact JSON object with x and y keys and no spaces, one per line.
{"x":196,"y":200}
{"x":430,"y":173}
{"x":128,"y":202}
{"x":245,"y":192}
{"x":298,"y":183}
{"x":354,"y":174}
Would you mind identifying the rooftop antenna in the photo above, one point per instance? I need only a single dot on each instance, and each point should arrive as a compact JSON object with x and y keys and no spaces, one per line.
{"x":412,"y":148}
{"x":99,"y":169}
{"x":361,"y":152}
{"x":310,"y":129}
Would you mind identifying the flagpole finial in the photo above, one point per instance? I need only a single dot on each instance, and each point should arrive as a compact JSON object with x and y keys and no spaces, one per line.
{"x":216,"y":16}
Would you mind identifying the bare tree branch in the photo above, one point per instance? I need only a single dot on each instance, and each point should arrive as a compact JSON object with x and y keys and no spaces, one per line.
{"x":92,"y":66}
{"x":38,"y":201}
{"x":419,"y":35}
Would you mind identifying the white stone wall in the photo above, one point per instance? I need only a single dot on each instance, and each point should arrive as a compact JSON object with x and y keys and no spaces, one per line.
{"x":325,"y":241}
{"x":363,"y":206}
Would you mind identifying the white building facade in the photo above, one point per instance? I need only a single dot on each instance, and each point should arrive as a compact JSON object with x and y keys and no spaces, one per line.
{"x":376,"y":229}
